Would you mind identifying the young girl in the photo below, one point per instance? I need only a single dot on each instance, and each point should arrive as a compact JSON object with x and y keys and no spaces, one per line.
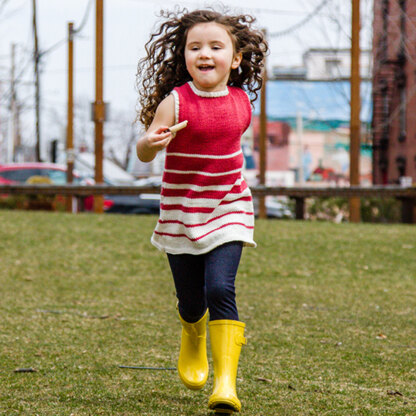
{"x":196,"y":67}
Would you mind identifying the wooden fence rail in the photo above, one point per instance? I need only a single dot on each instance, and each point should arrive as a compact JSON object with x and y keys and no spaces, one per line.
{"x":407,"y":195}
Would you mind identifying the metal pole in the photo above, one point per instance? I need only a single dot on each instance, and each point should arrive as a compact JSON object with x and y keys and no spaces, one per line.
{"x":37,"y":83}
{"x":299,"y":133}
{"x":263,"y":140}
{"x":11,"y":151}
{"x":3,"y":140}
{"x":355,"y":124}
{"x":70,"y":115}
{"x":99,"y":104}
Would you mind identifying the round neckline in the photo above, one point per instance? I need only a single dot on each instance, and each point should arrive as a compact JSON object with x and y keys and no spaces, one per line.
{"x":209,"y":94}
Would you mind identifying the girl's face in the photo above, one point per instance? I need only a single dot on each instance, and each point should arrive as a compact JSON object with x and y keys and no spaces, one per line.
{"x":209,"y":56}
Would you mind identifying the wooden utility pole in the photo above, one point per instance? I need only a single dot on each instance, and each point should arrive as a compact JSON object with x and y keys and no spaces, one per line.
{"x":99,"y":112}
{"x":263,"y":139}
{"x":36,"y":58}
{"x":70,"y":115}
{"x":355,"y":124}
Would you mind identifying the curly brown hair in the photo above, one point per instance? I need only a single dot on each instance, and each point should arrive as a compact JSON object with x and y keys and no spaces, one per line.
{"x":164,"y":66}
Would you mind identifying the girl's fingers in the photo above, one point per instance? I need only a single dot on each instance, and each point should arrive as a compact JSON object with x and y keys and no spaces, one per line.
{"x":156,"y":138}
{"x":162,"y":141}
{"x":159,"y":139}
{"x":165,"y":142}
{"x":161,"y":129}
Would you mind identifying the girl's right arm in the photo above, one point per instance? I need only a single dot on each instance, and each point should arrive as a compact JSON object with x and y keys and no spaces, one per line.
{"x":157,"y":136}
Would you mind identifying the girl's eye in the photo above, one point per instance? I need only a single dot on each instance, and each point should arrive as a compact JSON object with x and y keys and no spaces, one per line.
{"x":216,"y":48}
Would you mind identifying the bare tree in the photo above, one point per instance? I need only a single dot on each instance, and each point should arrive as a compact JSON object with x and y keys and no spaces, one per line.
{"x":120,"y":136}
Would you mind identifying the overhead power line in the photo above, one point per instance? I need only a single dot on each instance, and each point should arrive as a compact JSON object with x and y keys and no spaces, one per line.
{"x":53,"y":47}
{"x":264,"y":10}
{"x":41,"y":53}
{"x":75,"y":31}
{"x":85,"y":18}
{"x":303,"y":22}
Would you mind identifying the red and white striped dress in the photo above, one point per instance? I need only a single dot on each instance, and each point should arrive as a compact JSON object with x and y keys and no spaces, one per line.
{"x":205,"y":201}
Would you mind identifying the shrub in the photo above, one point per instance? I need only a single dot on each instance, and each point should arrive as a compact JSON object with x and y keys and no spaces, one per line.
{"x":375,"y":210}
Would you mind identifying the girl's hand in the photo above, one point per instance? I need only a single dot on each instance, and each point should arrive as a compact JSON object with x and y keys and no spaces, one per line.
{"x":158,"y":139}
{"x":152,"y":142}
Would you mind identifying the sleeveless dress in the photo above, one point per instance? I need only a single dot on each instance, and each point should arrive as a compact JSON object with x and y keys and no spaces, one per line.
{"x":205,"y":201}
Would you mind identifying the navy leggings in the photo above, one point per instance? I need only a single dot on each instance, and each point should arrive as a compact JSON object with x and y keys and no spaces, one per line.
{"x":207,"y":281}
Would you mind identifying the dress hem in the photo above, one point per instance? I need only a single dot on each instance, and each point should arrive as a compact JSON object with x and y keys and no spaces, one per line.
{"x":178,"y":250}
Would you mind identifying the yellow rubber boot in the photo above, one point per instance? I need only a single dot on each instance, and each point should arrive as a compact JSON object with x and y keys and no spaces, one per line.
{"x":227,"y":337}
{"x":193,"y":362}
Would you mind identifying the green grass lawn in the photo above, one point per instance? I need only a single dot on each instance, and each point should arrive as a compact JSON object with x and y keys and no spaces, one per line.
{"x":330,"y":313}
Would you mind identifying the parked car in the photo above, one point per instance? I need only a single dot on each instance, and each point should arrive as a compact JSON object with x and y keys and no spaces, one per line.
{"x":275,"y":208}
{"x":115,"y":175}
{"x":137,"y":204}
{"x":132,"y":204}
{"x":13,"y":173}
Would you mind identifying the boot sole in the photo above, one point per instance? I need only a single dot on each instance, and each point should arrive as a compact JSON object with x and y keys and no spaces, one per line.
{"x":223,"y":409}
{"x":193,"y":387}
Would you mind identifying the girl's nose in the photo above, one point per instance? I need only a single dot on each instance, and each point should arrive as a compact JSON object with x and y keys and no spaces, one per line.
{"x":205,"y":52}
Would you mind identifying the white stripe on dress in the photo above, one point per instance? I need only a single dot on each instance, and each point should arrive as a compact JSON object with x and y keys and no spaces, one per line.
{"x":212,"y":233}
{"x":198,"y":188}
{"x":229,"y":156}
{"x":203,"y":202}
{"x":243,"y":207}
{"x":180,"y":226}
{"x":203,"y":218}
{"x":200,"y":172}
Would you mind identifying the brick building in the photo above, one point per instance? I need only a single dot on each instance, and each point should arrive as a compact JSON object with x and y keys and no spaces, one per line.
{"x":394,"y":91}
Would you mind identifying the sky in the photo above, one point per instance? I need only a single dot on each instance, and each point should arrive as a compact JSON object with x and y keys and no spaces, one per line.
{"x":127,"y":26}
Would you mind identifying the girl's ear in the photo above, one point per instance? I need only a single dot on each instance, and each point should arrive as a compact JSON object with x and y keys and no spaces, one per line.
{"x":237,"y":60}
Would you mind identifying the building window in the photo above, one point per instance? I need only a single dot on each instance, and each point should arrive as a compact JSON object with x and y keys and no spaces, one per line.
{"x":401,"y":165}
{"x":333,"y":67}
{"x":384,"y":43}
{"x":402,"y":115}
{"x":386,"y":111}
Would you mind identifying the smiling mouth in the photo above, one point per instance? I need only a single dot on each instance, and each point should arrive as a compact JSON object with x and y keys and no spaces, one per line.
{"x":205,"y":68}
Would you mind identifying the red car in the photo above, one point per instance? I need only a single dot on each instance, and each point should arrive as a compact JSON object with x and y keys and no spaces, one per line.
{"x":20,"y":172}
{"x":13,"y":173}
